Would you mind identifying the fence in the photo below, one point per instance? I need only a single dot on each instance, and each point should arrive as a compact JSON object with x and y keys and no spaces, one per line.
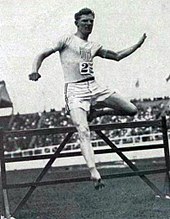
{"x":162,"y":123}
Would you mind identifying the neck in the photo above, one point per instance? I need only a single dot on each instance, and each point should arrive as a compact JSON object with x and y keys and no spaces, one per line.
{"x":82,"y":36}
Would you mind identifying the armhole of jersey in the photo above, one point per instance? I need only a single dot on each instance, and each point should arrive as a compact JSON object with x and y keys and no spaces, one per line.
{"x":61,"y":43}
{"x":99,"y":48}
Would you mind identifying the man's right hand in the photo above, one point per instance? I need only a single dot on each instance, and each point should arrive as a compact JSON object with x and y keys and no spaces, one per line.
{"x":34,"y":76}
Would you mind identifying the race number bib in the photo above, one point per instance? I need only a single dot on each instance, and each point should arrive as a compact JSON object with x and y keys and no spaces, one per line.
{"x":86,"y":68}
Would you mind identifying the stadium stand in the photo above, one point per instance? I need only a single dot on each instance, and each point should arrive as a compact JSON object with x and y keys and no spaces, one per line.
{"x":148,"y":109}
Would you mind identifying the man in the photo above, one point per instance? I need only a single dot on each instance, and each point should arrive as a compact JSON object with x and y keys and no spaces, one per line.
{"x":82,"y":93}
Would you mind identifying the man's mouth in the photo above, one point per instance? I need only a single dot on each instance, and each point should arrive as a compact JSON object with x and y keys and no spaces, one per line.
{"x":89,"y":28}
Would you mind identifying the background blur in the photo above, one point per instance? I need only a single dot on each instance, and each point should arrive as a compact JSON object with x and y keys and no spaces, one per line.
{"x":29,"y":26}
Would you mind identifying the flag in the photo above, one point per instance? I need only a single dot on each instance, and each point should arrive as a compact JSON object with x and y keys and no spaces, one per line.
{"x":168,"y":78}
{"x":5,"y":100}
{"x":137,"y":83}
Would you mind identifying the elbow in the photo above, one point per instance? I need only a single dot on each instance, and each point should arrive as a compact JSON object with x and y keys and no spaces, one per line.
{"x":45,"y":54}
{"x":111,"y":55}
{"x":117,"y":58}
{"x":114,"y":57}
{"x":40,"y":57}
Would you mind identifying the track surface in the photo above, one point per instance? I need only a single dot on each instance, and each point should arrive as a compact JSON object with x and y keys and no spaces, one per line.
{"x":123,"y":198}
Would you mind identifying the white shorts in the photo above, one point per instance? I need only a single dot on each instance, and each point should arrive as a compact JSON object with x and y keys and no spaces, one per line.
{"x":84,"y":94}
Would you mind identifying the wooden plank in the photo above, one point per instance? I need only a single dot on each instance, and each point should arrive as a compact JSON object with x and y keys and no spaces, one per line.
{"x":78,"y":153}
{"x":83,"y":179}
{"x":97,"y":129}
{"x":48,"y":131}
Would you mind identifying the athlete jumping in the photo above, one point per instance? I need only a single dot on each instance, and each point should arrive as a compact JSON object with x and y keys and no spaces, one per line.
{"x":82,"y":93}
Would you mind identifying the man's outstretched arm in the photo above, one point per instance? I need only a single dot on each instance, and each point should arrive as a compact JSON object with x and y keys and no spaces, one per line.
{"x":117,"y":56}
{"x":34,"y":76}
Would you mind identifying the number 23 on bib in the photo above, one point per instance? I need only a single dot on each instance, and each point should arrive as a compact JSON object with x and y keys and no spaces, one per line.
{"x":86,"y":68}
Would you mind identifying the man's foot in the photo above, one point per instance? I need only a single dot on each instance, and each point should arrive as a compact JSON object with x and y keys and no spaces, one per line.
{"x":96,"y":178}
{"x":98,"y":184}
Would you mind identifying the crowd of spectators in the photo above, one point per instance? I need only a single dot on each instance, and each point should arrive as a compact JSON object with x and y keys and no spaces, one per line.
{"x":147,"y":110}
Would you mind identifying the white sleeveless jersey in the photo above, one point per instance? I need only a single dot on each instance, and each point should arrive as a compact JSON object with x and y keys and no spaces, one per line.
{"x":76,"y":57}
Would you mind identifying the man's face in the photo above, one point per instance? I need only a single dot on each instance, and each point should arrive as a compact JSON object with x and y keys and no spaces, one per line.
{"x":85,"y":24}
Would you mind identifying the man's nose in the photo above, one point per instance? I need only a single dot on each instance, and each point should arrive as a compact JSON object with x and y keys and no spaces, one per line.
{"x":89,"y":22}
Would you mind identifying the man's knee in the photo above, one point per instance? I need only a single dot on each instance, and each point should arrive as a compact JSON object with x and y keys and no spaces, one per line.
{"x":133,"y":111}
{"x":83,"y":131}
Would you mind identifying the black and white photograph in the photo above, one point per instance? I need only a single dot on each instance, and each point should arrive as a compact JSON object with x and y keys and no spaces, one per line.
{"x":84,"y":109}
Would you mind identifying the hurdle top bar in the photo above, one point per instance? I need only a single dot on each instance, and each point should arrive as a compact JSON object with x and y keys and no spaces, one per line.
{"x":57,"y":130}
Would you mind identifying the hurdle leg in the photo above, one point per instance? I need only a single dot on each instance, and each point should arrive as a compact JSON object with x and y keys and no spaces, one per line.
{"x":44,"y":171}
{"x":167,"y":157}
{"x":130,"y":164}
{"x":5,"y":202}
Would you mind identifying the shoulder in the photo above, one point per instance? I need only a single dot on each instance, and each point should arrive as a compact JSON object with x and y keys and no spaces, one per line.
{"x":66,"y":37}
{"x":62,"y":41}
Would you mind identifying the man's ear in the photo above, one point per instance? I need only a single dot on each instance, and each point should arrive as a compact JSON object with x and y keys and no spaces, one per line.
{"x":76,"y":23}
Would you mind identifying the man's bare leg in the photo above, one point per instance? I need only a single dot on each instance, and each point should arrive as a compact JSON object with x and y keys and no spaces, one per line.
{"x":113,"y":105}
{"x":79,"y":118}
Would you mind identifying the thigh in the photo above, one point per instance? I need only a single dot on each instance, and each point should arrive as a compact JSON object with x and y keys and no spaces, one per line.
{"x":117,"y":102}
{"x":77,"y":97}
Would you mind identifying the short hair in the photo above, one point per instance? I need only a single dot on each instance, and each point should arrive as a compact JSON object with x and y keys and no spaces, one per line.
{"x":83,"y":11}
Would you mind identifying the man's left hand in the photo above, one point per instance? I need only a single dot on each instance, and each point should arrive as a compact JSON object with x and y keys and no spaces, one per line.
{"x":141,"y":41}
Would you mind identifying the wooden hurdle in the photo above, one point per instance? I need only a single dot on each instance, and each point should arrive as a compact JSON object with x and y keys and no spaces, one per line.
{"x":5,"y":186}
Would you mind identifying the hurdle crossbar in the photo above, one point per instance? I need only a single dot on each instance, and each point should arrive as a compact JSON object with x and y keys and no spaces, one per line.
{"x":58,"y":154}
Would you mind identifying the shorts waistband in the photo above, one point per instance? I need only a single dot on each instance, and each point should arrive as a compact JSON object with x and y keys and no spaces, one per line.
{"x":86,"y":79}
